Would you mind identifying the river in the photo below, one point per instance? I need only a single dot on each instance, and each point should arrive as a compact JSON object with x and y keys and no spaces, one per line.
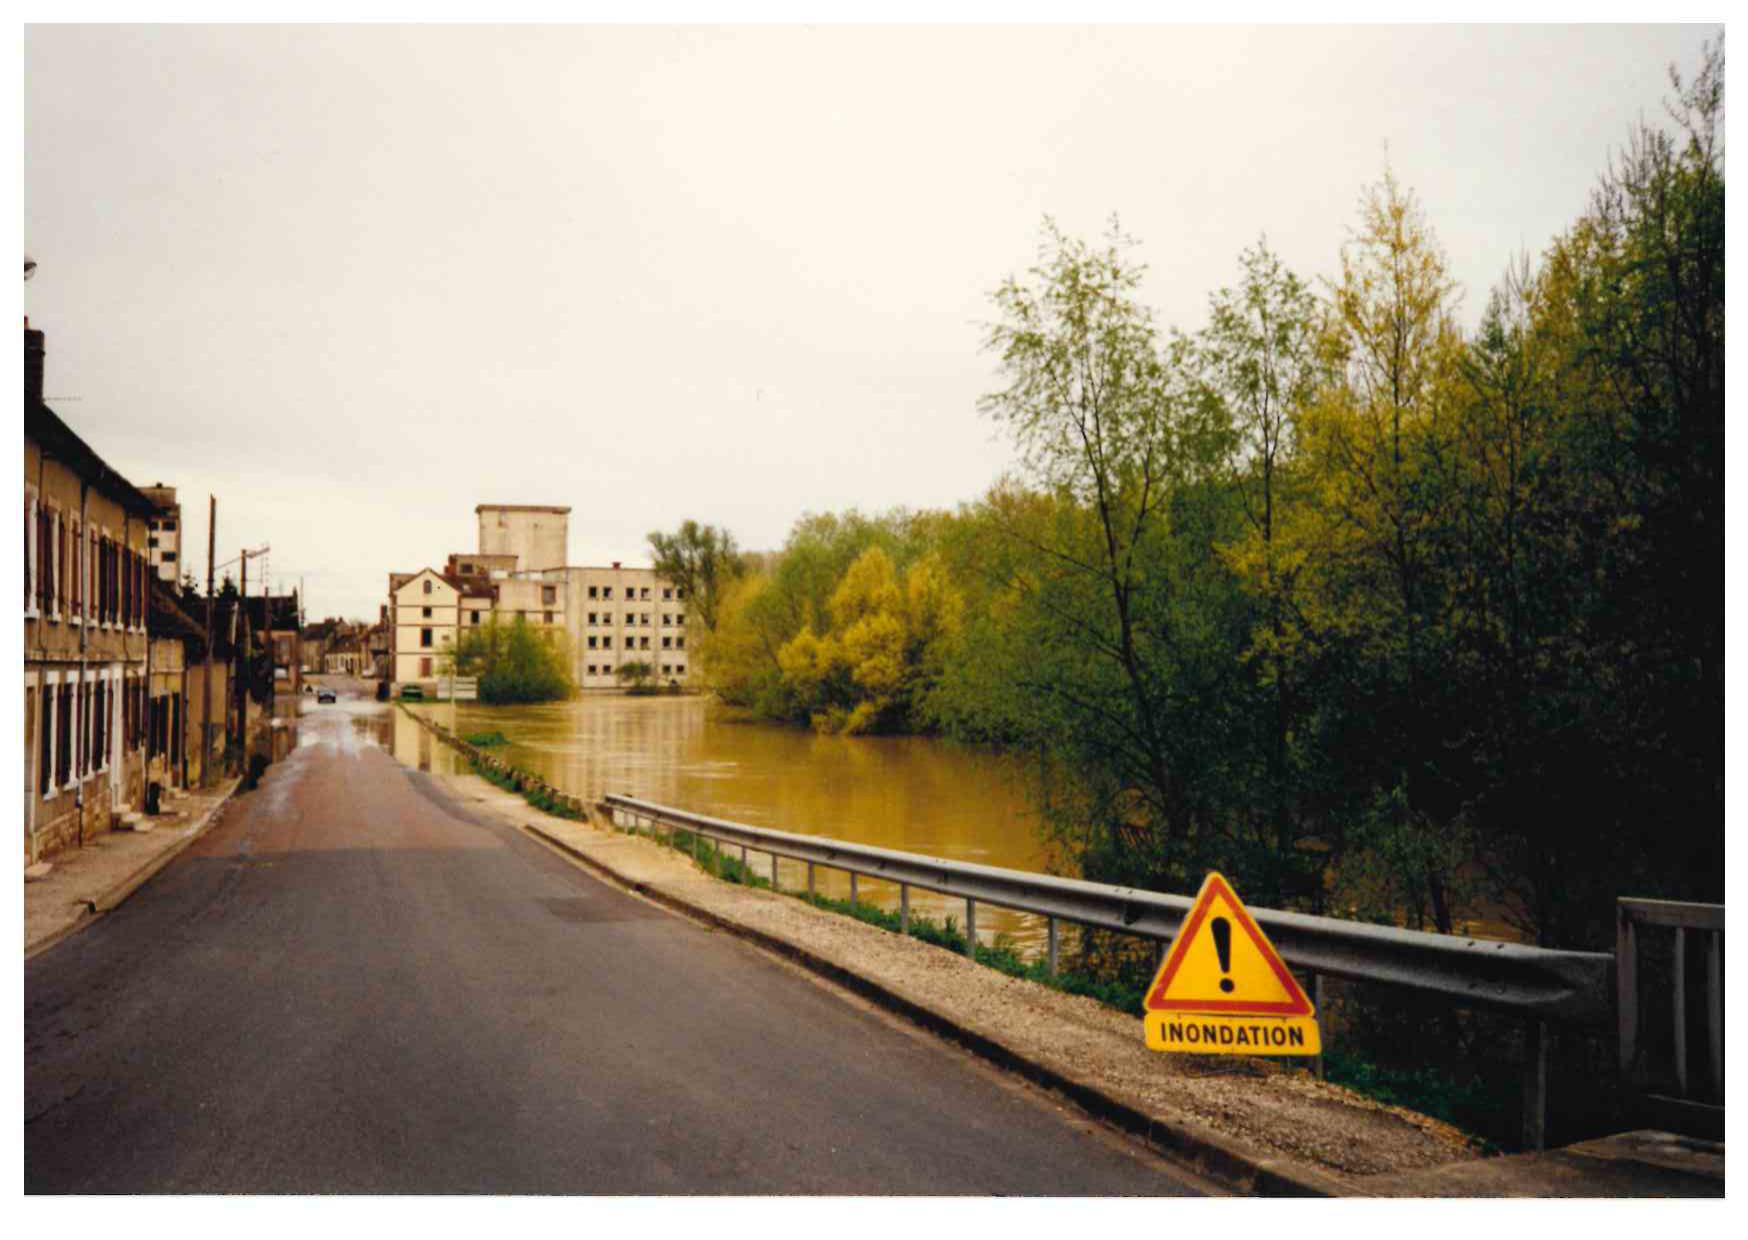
{"x":909,"y":793}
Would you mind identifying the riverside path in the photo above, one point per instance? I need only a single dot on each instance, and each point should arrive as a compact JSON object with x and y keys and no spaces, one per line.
{"x":353,"y":985}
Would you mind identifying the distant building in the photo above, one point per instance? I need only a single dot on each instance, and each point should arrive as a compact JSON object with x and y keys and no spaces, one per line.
{"x":611,"y":615}
{"x":86,"y":596}
{"x":164,"y":539}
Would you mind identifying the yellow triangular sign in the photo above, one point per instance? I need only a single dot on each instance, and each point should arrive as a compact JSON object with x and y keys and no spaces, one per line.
{"x":1224,"y":990}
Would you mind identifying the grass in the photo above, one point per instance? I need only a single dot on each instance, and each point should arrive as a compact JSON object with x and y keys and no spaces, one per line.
{"x":485,"y":740}
{"x":538,"y":797}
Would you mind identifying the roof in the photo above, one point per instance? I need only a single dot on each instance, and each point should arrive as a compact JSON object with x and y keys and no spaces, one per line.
{"x":60,"y":442}
{"x":559,"y":508}
{"x":166,"y":617}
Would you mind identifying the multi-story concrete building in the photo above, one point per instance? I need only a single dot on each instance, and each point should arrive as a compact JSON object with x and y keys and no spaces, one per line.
{"x":164,"y":533}
{"x":85,"y":638}
{"x":611,"y":615}
{"x":425,"y":609}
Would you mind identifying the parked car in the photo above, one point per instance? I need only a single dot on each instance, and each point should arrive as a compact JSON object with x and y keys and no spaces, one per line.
{"x":325,"y":694}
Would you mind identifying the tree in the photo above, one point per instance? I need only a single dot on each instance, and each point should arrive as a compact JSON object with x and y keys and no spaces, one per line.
{"x":702,"y":560}
{"x":1258,"y":358}
{"x":1380,"y":437}
{"x":635,"y":675}
{"x":515,"y":662}
{"x":1114,"y":601}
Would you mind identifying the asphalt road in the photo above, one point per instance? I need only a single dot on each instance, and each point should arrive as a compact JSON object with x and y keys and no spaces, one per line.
{"x":353,"y":985}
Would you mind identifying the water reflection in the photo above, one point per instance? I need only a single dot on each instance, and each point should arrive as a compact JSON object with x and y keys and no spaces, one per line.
{"x":907,"y":793}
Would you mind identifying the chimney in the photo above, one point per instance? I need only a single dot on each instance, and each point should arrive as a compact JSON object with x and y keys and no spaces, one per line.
{"x":33,"y":353}
{"x":615,"y":562}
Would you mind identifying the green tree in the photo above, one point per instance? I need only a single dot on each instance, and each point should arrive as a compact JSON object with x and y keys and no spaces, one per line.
{"x":515,"y":662}
{"x":702,"y":560}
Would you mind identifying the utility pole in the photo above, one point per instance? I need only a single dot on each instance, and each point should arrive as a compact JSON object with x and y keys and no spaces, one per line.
{"x":206,"y":674}
{"x":244,"y":653}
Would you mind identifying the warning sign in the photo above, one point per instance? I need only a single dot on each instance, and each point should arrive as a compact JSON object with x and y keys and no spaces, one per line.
{"x":1224,"y":990}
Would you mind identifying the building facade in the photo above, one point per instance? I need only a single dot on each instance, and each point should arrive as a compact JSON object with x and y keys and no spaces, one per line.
{"x":86,"y":575}
{"x":164,"y":533}
{"x":611,"y":616}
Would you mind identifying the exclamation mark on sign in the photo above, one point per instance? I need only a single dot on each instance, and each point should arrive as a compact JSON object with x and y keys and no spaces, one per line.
{"x":1223,"y":948}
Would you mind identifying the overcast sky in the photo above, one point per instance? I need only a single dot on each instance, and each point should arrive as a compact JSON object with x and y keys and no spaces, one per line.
{"x":354,"y":281}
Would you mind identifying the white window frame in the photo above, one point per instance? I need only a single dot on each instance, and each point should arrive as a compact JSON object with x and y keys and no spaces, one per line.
{"x":55,"y":562}
{"x":51,"y":681}
{"x":30,"y":552}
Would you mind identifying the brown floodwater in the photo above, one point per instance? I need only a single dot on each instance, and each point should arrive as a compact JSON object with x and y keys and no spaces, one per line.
{"x":910,"y":793}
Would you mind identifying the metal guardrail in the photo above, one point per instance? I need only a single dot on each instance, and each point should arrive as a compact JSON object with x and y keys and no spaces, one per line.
{"x":1541,"y":985}
{"x":1696,"y":1110}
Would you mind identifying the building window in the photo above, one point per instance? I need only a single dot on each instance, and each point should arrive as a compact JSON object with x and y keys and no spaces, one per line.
{"x":548,"y":595}
{"x":475,"y":616}
{"x":427,"y":614}
{"x":666,"y":618}
{"x":169,"y":557}
{"x":667,"y":669}
{"x":680,"y":619}
{"x":168,"y":526}
{"x":593,"y":593}
{"x":667,"y":643}
{"x":546,"y":617}
{"x":45,"y":744}
{"x":424,"y":637}
{"x":680,"y":669}
{"x":592,"y":642}
{"x":427,"y":585}
{"x":679,"y":643}
{"x":668,"y":593}
{"x":679,"y":592}
{"x":645,"y":593}
{"x":644,"y":645}
{"x":425,"y":666}
{"x":607,"y":642}
{"x":606,"y":591}
{"x":646,"y":618}
{"x":64,"y":737}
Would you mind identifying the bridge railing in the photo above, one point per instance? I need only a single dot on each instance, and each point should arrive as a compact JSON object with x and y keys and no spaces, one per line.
{"x":1696,"y":1105}
{"x":1540,"y":985}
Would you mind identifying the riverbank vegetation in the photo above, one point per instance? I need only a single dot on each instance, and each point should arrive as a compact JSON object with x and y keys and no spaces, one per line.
{"x":515,"y":662}
{"x":1378,"y":615}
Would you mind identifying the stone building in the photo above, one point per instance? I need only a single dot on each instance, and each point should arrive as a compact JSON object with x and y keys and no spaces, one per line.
{"x":86,"y":656}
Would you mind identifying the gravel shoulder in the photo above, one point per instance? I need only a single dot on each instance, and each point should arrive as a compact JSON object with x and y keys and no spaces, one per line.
{"x":1295,"y":1132}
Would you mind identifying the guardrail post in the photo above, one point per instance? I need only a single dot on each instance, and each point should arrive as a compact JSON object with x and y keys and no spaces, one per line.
{"x":1681,"y":1009}
{"x":743,"y":863}
{"x":1050,"y":946}
{"x":852,"y":889}
{"x":1626,"y":966}
{"x":1535,"y":1084}
{"x":774,"y":886}
{"x":971,"y":927}
{"x":1715,"y":1008}
{"x":810,"y":880}
{"x":1322,"y":1025}
{"x":904,"y":908}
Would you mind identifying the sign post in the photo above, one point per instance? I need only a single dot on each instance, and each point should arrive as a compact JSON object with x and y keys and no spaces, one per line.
{"x":1223,"y":989}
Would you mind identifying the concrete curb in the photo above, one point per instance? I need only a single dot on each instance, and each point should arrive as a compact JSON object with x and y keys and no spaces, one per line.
{"x":1201,"y":1149}
{"x":114,"y":896}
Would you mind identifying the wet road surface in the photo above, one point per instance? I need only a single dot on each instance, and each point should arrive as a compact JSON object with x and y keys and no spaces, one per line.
{"x":353,"y":985}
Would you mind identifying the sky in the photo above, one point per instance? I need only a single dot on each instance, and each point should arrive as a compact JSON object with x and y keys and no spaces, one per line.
{"x":353,"y":281}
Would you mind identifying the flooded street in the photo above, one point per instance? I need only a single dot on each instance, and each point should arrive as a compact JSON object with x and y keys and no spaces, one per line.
{"x":907,"y":793}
